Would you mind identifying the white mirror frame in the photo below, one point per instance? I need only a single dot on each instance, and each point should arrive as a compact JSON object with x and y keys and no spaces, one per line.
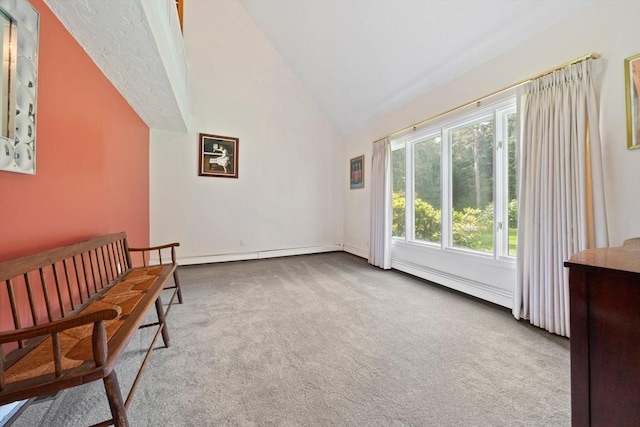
{"x":18,"y":154}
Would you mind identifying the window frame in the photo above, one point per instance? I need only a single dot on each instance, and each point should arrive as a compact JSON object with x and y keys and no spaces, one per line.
{"x":423,"y":137}
{"x":498,"y":109}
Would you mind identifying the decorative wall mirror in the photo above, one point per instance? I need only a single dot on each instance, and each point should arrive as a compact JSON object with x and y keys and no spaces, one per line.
{"x":19,"y":43}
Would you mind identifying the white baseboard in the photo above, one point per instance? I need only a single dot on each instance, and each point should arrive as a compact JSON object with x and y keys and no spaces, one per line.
{"x":299,"y":251}
{"x":362,"y":253}
{"x":476,"y":289}
{"x":243,"y":256}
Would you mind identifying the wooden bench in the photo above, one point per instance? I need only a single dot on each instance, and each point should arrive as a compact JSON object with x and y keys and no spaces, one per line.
{"x":74,"y":309}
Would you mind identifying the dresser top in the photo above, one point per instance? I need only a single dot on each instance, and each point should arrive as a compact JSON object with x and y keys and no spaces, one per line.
{"x":624,"y":258}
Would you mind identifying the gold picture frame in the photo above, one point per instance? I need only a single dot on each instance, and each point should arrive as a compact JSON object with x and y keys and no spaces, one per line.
{"x":632,"y":93}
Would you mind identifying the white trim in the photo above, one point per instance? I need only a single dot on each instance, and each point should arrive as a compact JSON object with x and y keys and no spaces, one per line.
{"x":298,"y":251}
{"x":242,"y":256}
{"x":362,"y":253}
{"x":463,"y":254}
{"x":9,"y":410}
{"x":470,"y":287}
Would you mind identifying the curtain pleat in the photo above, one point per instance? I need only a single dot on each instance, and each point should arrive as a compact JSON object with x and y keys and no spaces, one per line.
{"x":561,"y":197}
{"x":380,"y":231}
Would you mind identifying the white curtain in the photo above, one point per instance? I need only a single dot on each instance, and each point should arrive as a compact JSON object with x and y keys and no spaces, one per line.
{"x":380,"y":232}
{"x":561,"y":197}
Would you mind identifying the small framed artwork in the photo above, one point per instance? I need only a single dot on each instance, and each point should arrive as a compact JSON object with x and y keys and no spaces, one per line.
{"x":632,"y":90}
{"x":218,"y":156}
{"x":356,"y":173}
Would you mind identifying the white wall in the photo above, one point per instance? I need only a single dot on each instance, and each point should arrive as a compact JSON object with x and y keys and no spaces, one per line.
{"x":609,"y":28}
{"x":288,"y":195}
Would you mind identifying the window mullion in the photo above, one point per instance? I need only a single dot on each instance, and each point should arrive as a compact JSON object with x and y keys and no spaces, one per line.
{"x":445,"y":179}
{"x":409,"y":197}
{"x":499,"y":185}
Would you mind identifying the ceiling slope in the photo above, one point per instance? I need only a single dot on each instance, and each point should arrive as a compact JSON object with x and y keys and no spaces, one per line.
{"x":362,"y":59}
{"x":119,"y":37}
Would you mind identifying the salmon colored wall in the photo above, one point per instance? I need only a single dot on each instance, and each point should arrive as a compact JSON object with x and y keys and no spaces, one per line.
{"x":92,"y":156}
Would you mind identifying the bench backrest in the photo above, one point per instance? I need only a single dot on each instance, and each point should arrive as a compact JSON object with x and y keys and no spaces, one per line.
{"x":50,"y":285}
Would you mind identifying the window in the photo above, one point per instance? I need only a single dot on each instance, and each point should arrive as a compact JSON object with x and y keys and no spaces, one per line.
{"x":512,"y":184}
{"x":472,"y":147}
{"x":460,"y":178}
{"x":427,"y":193}
{"x":398,"y":171}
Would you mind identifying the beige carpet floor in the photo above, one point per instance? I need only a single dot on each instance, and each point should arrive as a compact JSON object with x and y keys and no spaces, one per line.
{"x":327,"y":340}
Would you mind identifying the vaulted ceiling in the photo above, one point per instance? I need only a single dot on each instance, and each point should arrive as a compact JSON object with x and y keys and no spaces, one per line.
{"x":358,"y":58}
{"x":363,"y":58}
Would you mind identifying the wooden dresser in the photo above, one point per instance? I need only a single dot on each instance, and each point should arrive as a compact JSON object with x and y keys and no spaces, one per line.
{"x":604,"y":288}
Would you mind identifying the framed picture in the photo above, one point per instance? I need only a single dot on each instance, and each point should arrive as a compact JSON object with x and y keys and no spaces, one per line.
{"x":356,"y":173}
{"x":632,"y":90}
{"x":218,"y":156}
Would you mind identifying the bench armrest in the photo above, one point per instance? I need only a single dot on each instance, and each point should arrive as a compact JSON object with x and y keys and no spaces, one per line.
{"x":159,"y":249}
{"x":153,"y":248}
{"x":60,"y":325}
{"x":98,"y":336}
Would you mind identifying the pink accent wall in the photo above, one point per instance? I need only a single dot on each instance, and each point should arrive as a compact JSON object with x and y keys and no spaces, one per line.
{"x":92,"y":160}
{"x":92,"y":157}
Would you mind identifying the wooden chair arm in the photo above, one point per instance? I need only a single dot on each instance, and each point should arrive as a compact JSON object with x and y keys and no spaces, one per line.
{"x":173,"y":247}
{"x":153,"y":248}
{"x":58,"y":326}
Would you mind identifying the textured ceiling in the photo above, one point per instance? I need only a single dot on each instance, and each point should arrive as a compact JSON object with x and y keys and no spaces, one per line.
{"x":117,"y":36}
{"x":361,"y":59}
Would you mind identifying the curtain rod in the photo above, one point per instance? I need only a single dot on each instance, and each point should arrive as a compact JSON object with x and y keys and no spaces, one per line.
{"x":475,"y":101}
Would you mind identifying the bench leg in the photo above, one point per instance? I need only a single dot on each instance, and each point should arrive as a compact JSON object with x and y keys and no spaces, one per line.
{"x":177,"y":281}
{"x":162,"y":321}
{"x":118,"y":411}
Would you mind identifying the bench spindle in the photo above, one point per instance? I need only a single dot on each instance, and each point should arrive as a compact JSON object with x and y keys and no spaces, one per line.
{"x":176,"y":279}
{"x":1,"y":369}
{"x":95,"y":275}
{"x":99,"y":280}
{"x":96,"y":272}
{"x":126,"y":259}
{"x":56,"y":278}
{"x":32,"y":302}
{"x":119,"y":262}
{"x":113,"y":260}
{"x":67,"y":278}
{"x":108,"y":273}
{"x":45,"y":292}
{"x":114,"y":253}
{"x":78,"y":283}
{"x":105,"y":275}
{"x":14,"y":309}
{"x":125,"y":250}
{"x":57,"y":356}
{"x":86,"y":275}
{"x":108,"y":263}
{"x":111,"y":249}
{"x":102,"y":275}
